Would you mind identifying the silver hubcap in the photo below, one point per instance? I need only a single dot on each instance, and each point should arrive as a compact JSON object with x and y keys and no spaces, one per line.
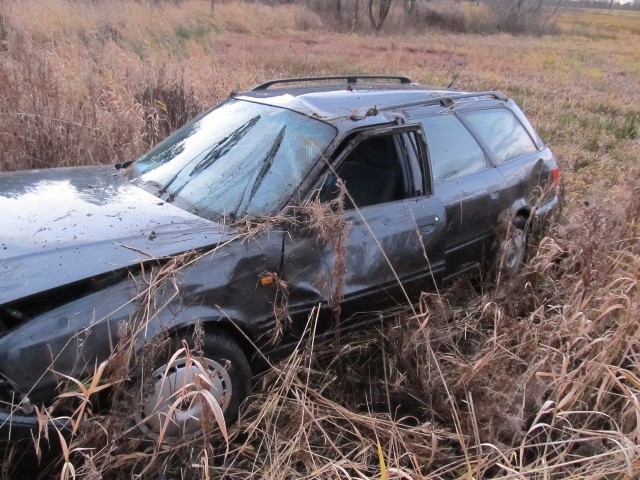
{"x":181,"y":397}
{"x":513,"y":252}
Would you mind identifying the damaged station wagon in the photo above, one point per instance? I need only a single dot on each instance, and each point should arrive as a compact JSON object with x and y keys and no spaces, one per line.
{"x":340,"y":196}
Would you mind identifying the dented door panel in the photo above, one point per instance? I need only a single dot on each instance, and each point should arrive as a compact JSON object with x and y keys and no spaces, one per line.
{"x":391,"y":250}
{"x":220,"y":287}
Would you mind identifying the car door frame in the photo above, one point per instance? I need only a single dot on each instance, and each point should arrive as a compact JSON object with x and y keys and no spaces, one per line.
{"x":432,"y":226}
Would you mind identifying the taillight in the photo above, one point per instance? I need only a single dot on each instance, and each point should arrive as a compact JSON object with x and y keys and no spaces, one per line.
{"x":555,"y":176}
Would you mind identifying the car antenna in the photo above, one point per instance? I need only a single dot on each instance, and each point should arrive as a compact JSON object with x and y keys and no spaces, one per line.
{"x":453,"y":80}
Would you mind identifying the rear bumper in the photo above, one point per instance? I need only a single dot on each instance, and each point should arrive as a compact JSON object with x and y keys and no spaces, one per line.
{"x":549,"y":207}
{"x":545,"y":213}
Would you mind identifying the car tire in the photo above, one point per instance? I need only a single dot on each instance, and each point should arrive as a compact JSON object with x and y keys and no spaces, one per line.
{"x":512,"y":248}
{"x":187,"y":380}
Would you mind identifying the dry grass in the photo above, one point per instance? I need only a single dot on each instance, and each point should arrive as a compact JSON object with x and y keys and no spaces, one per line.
{"x":536,"y":378}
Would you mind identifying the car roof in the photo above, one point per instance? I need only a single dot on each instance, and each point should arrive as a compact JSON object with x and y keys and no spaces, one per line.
{"x":329,"y":98}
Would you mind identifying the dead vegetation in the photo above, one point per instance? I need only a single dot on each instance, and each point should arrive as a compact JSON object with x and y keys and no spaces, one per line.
{"x":327,"y":221}
{"x":532,"y":378}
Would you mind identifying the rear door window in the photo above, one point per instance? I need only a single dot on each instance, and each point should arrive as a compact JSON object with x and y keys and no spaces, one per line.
{"x":452,"y":149}
{"x":502,"y":134}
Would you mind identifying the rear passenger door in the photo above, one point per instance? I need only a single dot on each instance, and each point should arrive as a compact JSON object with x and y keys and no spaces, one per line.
{"x":514,"y":151}
{"x":469,"y":186}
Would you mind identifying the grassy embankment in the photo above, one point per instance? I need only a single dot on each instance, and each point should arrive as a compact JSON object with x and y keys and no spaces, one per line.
{"x":536,"y":379}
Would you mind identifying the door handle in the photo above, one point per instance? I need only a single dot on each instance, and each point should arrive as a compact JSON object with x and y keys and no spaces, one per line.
{"x":428,"y":224}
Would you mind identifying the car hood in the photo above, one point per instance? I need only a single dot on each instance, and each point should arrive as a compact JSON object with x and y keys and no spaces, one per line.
{"x":62,"y":225}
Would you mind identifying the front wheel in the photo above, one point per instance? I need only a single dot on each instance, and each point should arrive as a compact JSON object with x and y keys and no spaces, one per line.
{"x":178,"y":401}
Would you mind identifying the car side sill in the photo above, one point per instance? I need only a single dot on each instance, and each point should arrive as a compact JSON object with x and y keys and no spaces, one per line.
{"x":16,"y":426}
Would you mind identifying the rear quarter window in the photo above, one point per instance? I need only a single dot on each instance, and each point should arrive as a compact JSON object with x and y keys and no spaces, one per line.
{"x":452,"y":149}
{"x":502,"y":133}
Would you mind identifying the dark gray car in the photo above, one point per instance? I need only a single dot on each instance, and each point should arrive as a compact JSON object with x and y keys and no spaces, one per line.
{"x":340,"y":196}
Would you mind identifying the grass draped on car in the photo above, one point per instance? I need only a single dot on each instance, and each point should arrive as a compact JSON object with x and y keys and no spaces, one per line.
{"x":532,"y":378}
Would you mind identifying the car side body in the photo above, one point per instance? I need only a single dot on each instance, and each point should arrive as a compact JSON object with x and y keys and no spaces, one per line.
{"x":428,"y":176}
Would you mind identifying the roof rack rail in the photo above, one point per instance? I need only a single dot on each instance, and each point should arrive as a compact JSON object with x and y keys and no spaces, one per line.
{"x":446,"y":100}
{"x":348,"y":78}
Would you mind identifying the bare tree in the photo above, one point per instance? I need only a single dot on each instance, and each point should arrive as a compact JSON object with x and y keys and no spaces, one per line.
{"x":409,"y":5}
{"x":518,"y":16}
{"x":383,"y":11}
{"x":356,"y":16}
{"x":554,"y":14}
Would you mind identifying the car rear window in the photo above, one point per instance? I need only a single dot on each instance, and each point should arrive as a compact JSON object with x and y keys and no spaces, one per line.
{"x":452,"y":149}
{"x":502,"y":133}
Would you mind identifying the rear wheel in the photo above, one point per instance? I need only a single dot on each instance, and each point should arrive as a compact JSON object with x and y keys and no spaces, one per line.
{"x":512,"y":248}
{"x":191,"y":388}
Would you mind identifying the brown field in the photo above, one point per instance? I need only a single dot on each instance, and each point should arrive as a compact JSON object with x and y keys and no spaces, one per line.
{"x":539,"y":378}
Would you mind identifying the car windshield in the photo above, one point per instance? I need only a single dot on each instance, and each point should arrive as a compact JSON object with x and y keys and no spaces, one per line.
{"x":241,"y":158}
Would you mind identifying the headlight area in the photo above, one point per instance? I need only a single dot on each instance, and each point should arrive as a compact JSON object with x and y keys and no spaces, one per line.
{"x":20,"y":311}
{"x":37,"y":350}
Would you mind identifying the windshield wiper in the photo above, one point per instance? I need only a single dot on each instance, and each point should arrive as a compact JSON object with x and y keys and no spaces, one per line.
{"x":264,"y":169}
{"x":218,"y":149}
{"x":267,"y":163}
{"x":223,"y":147}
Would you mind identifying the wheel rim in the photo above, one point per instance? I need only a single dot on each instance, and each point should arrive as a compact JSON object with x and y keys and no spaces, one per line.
{"x":513,"y":252}
{"x":179,"y":392}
